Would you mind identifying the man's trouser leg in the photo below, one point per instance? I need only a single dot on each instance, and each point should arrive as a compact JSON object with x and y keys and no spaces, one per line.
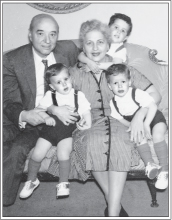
{"x":14,"y":156}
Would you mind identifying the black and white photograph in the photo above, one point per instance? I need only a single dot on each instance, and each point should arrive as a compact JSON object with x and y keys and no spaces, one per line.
{"x":97,"y":73}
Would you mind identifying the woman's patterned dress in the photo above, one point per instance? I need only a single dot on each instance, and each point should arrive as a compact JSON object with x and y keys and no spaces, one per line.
{"x":106,"y":145}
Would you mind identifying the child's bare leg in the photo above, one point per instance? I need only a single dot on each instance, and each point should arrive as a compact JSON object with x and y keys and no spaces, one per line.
{"x":64,"y":149}
{"x":160,"y":145}
{"x":41,"y":148}
{"x":39,"y":152}
{"x":116,"y":185}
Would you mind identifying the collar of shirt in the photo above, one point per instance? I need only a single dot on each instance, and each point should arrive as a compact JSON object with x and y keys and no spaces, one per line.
{"x":126,"y":97}
{"x":39,"y":73}
{"x":114,"y":46}
{"x":65,"y":97}
{"x":38,"y":59}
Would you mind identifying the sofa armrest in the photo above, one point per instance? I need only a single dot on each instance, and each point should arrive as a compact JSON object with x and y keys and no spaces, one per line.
{"x":143,"y":59}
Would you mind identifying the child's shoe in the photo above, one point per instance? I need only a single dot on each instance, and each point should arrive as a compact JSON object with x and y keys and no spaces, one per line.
{"x":152,"y":170}
{"x":63,"y":190}
{"x":162,"y":180}
{"x":29,"y":188}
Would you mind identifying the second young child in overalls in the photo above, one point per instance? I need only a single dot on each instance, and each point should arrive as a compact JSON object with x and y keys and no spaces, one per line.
{"x":125,"y":103}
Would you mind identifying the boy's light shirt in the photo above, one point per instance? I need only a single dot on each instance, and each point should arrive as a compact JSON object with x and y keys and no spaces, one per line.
{"x":83,"y":104}
{"x":127,"y":106}
{"x":122,"y":53}
{"x":39,"y":73}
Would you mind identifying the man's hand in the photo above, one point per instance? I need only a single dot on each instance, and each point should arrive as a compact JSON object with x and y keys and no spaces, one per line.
{"x":32,"y":117}
{"x":65,"y":113}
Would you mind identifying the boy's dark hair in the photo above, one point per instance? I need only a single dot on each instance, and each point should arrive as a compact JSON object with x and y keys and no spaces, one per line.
{"x":122,"y":17}
{"x":54,"y":70}
{"x":117,"y":69}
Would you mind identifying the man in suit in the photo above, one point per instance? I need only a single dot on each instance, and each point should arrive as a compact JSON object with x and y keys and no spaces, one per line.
{"x":23,"y":87}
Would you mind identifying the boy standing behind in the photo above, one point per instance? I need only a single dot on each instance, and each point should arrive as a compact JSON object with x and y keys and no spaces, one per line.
{"x":120,"y":26}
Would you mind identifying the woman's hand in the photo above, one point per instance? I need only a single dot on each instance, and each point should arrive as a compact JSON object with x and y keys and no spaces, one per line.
{"x":136,"y":126}
{"x":147,"y":131}
{"x":65,"y":113}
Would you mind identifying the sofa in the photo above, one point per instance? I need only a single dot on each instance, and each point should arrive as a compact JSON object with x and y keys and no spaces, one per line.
{"x":143,"y":60}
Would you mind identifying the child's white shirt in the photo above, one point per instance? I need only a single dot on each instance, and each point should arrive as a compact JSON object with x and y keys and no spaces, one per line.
{"x":83,"y":104}
{"x":126,"y":104}
{"x":115,"y":53}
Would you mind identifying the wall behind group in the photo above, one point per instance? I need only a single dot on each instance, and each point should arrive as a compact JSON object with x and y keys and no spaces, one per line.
{"x":150,"y":23}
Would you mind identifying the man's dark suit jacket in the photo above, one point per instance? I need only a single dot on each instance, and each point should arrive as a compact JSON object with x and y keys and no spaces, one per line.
{"x":19,"y":80}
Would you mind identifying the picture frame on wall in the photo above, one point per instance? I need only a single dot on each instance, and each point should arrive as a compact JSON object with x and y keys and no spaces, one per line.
{"x":59,"y":8}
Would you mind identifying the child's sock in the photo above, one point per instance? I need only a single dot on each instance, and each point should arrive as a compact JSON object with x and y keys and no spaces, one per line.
{"x":145,"y":153}
{"x":64,"y":169}
{"x":161,"y":151}
{"x":33,"y":168}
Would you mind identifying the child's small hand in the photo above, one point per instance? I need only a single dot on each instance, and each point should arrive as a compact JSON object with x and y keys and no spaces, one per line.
{"x":50,"y":121}
{"x":147,"y":131}
{"x":85,"y":68}
{"x":93,"y":66}
{"x":82,"y":125}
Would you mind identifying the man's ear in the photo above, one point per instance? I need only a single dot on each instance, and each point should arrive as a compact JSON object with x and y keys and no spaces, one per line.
{"x":30,"y":36}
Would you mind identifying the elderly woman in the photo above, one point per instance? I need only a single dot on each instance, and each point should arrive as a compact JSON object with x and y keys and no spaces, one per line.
{"x":105,"y":150}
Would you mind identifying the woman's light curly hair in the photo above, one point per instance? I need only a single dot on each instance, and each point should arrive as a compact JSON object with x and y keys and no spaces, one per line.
{"x":94,"y":24}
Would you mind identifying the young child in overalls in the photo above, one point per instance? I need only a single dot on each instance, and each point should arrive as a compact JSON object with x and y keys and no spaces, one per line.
{"x":54,"y":132}
{"x":125,"y":103}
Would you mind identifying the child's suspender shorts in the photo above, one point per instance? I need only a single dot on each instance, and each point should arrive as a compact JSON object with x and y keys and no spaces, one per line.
{"x":54,"y":134}
{"x":159,"y":117}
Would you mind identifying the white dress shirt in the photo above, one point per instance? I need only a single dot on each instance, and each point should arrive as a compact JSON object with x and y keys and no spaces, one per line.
{"x":39,"y":72}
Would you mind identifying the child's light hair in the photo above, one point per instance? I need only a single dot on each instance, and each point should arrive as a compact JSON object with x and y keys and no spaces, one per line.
{"x":54,"y":70}
{"x":123,"y":17}
{"x":117,"y":69}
